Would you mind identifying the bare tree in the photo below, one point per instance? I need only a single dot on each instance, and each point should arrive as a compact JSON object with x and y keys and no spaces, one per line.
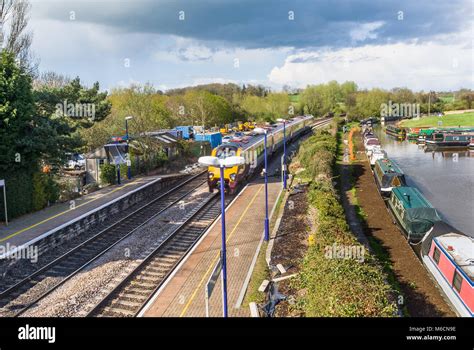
{"x":51,"y":79}
{"x":14,"y":36}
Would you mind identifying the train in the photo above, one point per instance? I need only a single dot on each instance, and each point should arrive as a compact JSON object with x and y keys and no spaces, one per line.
{"x":253,"y":153}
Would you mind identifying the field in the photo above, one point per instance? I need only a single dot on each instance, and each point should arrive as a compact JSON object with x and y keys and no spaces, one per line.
{"x":452,"y":120}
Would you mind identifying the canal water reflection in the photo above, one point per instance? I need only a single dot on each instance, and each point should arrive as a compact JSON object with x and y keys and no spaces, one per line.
{"x":446,"y":178}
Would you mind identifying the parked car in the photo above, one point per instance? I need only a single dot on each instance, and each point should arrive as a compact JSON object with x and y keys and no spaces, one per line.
{"x":76,"y":161}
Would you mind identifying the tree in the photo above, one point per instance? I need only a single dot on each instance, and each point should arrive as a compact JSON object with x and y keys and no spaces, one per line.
{"x":14,"y":15}
{"x":368,"y":103}
{"x":18,"y":147}
{"x":467,"y":96}
{"x":207,"y":109}
{"x":144,"y":103}
{"x":312,"y":101}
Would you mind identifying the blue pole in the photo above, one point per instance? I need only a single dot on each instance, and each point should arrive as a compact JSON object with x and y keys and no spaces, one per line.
{"x":223,"y":246}
{"x":129,"y":168}
{"x":267,"y":226}
{"x":284,"y":154}
{"x":118,"y":174}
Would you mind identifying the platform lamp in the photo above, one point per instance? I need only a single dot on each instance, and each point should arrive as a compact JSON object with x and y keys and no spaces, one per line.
{"x":284,"y":151}
{"x":263,"y":132}
{"x":129,"y":162}
{"x":228,"y":162}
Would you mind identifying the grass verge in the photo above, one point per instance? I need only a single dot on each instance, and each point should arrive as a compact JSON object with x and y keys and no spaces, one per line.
{"x":450,"y":120}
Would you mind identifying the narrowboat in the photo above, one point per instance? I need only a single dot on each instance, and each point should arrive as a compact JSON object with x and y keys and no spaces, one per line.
{"x":371,"y":143}
{"x":424,"y":134}
{"x":413,"y":212}
{"x":388,"y":175}
{"x":376,"y":155}
{"x":395,"y":131}
{"x":445,"y":139}
{"x":413,"y":134}
{"x":448,"y":254}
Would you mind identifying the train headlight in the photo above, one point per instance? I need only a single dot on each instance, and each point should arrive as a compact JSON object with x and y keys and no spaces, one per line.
{"x":232,"y":176}
{"x":211,"y":175}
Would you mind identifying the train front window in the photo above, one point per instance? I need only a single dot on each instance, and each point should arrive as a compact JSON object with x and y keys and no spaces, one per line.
{"x":225,"y":152}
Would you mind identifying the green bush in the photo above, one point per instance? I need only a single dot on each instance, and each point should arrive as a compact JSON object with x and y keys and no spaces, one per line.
{"x":334,"y":286}
{"x":45,"y":190}
{"x":40,"y":197}
{"x":108,"y":174}
{"x":19,"y":193}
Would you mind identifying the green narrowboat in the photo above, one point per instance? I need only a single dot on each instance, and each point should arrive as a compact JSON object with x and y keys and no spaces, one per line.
{"x":388,"y":175}
{"x":395,"y":131}
{"x":425,"y":134}
{"x":413,"y":212}
{"x":446,"y":139}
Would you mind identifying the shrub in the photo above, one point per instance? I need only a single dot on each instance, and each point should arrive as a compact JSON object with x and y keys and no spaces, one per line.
{"x":19,"y":193}
{"x":40,"y":196}
{"x":334,"y":286}
{"x":108,"y":174}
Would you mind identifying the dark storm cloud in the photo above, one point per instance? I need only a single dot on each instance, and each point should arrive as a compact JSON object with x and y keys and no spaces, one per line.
{"x":264,"y":23}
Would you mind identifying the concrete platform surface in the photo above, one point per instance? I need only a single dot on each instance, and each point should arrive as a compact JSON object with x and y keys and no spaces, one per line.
{"x":27,"y":227}
{"x":184,"y":293}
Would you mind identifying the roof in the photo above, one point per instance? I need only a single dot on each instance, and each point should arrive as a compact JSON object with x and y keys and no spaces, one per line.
{"x":162,"y":136}
{"x":98,"y":153}
{"x":461,"y":250}
{"x":256,"y":139}
{"x":389,"y":166}
{"x":411,"y":197}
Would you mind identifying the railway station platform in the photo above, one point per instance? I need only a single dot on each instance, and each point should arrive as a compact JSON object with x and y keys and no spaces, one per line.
{"x":183,"y":295}
{"x":30,"y":227}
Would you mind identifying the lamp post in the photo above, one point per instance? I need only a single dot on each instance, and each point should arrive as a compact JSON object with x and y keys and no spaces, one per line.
{"x":222,"y":164}
{"x":284,"y":152}
{"x":266,"y":223}
{"x":129,"y":162}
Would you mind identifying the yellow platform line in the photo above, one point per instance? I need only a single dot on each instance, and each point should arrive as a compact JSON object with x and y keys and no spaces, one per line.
{"x":61,"y":213}
{"x":214,"y":261}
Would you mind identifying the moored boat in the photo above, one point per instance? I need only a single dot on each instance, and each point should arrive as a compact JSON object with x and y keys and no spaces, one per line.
{"x":448,"y":139}
{"x":371,"y":143}
{"x":388,"y":175}
{"x":395,"y":131}
{"x":413,"y":212}
{"x":377,"y":154}
{"x":448,"y":254}
{"x":424,"y":134}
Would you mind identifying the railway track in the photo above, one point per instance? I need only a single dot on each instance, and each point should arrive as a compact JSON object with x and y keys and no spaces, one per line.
{"x":137,"y":287}
{"x":18,"y":298}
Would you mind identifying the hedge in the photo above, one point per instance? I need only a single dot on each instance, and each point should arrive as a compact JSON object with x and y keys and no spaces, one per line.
{"x":26,"y":192}
{"x":334,"y":286}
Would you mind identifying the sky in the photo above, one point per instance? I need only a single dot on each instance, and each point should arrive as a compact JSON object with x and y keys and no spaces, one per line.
{"x":419,"y":44}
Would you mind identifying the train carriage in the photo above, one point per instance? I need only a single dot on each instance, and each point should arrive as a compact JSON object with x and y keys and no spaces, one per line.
{"x":253,"y":152}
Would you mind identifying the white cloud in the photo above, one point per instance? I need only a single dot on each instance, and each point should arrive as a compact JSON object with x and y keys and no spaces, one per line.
{"x":417,"y":66}
{"x":365,"y":31}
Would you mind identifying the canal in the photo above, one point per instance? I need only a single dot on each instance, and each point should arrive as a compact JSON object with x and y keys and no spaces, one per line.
{"x":446,"y":178}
